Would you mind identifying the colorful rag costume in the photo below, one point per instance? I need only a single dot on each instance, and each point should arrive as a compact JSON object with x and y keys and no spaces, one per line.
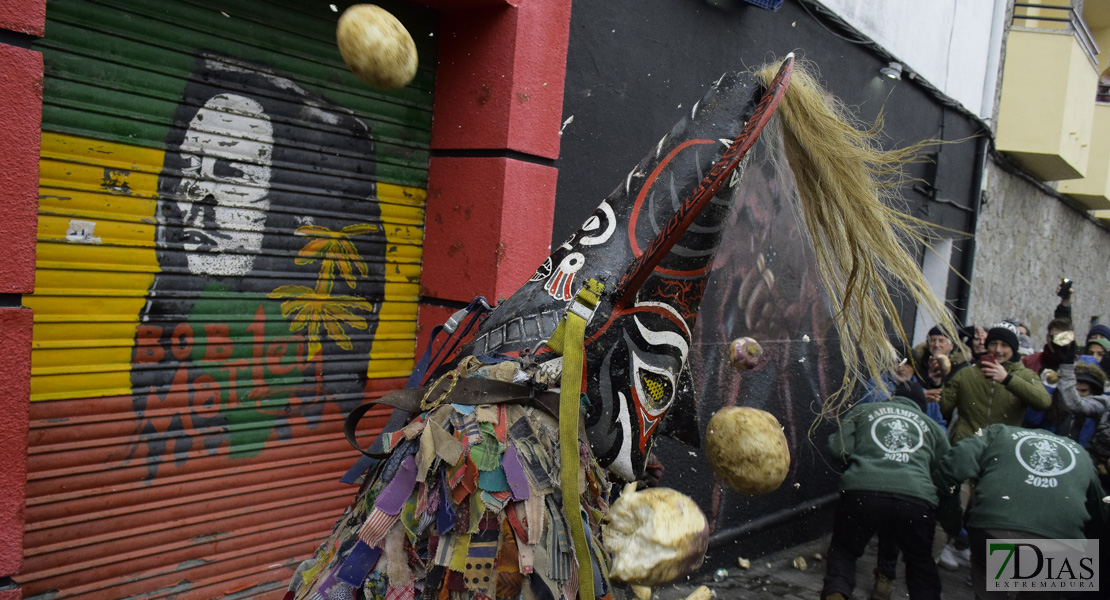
{"x":472,"y":499}
{"x":472,"y":512}
{"x":497,"y":485}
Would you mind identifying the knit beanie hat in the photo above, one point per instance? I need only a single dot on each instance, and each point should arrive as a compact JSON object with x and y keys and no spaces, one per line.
{"x":1091,"y":375}
{"x":1101,"y":342}
{"x":936,"y":331}
{"x":1100,"y":329}
{"x":1005,"y":333}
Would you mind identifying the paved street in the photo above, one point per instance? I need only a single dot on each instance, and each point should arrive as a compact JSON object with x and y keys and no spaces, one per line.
{"x":774,"y":576}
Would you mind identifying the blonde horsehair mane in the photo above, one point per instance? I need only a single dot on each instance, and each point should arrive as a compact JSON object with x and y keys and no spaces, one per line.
{"x":847,"y":188}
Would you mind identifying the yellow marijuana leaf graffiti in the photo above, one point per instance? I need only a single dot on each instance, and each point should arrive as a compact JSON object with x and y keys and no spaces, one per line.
{"x":335,"y":251}
{"x":307,"y":308}
{"x":317,"y":311}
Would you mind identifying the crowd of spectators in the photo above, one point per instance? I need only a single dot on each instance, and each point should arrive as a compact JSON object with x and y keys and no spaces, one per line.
{"x":965,"y":439}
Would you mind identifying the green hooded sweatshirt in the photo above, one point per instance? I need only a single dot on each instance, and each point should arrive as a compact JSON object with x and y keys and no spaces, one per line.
{"x":982,"y":402}
{"x":889,"y":447}
{"x":1029,"y":480}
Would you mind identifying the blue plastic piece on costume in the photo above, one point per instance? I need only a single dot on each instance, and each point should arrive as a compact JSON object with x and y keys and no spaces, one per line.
{"x":362,"y":465}
{"x":445,"y":514}
{"x":358,"y":564}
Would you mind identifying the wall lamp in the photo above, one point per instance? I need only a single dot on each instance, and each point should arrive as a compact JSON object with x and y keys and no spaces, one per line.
{"x":892,"y":70}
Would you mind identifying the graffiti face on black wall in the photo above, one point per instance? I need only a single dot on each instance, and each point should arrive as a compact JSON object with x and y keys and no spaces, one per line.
{"x":764,"y":286}
{"x":224,"y":190}
{"x":272,"y":268}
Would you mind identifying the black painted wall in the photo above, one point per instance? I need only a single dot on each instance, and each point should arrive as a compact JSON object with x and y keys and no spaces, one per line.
{"x":633,"y":68}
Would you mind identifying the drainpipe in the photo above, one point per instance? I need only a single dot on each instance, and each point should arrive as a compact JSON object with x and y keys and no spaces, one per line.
{"x":968,"y":269}
{"x":988,"y":112}
{"x":726,"y":536}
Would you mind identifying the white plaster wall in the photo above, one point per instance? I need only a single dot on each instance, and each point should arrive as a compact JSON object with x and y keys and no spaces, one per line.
{"x":952,"y":44}
{"x":1025,"y":243}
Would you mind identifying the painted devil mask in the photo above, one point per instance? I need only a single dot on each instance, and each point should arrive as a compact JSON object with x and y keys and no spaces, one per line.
{"x":651,"y":243}
{"x":641,"y":376}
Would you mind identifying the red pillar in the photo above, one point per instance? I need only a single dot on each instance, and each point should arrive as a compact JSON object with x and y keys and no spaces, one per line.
{"x":21,"y":114}
{"x":498,"y":111}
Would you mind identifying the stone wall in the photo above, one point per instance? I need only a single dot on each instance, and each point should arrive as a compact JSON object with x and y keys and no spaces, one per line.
{"x":1026,"y":241}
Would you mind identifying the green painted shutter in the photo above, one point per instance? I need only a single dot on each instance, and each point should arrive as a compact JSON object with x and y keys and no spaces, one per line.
{"x":228,"y":260}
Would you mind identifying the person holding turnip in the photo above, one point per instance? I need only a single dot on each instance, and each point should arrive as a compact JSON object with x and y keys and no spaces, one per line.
{"x":936,"y":359}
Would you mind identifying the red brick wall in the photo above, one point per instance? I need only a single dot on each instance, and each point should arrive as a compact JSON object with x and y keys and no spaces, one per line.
{"x":499,"y":94}
{"x":23,"y":16}
{"x":21,"y":114}
{"x":498,"y":110}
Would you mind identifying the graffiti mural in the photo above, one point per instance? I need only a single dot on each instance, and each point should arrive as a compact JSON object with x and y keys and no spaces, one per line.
{"x":266,"y":286}
{"x":230,"y":230}
{"x":764,"y":285}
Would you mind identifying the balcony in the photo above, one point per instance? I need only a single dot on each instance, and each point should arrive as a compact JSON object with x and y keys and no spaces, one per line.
{"x":1093,"y":191}
{"x":1049,"y":81}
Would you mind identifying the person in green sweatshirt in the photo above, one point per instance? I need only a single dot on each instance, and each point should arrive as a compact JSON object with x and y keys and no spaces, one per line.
{"x":889,"y":451}
{"x":1031,"y":484}
{"x":998,"y":391}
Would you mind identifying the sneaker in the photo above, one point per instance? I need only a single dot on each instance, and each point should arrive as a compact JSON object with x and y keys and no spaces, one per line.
{"x":948,"y":558}
{"x":883,"y":587}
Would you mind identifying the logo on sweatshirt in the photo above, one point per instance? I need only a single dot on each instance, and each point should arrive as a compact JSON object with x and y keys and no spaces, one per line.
{"x":898,"y":436}
{"x":1045,"y":458}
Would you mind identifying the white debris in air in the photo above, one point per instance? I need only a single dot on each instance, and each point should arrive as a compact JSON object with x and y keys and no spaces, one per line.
{"x":569,"y":120}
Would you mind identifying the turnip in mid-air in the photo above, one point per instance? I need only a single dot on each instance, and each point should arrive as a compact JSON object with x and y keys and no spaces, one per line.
{"x":654,"y":536}
{"x":744,"y":354}
{"x":747,"y":449}
{"x":376,"y":46}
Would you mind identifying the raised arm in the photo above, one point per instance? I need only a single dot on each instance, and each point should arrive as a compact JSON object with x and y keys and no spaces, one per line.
{"x":1071,"y":401}
{"x":951,"y":393}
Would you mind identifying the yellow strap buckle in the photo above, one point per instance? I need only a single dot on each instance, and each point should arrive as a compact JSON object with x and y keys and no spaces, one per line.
{"x":583,"y":307}
{"x":569,"y":340}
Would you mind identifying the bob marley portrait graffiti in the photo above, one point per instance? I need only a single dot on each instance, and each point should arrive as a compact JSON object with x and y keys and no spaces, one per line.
{"x":270,"y":250}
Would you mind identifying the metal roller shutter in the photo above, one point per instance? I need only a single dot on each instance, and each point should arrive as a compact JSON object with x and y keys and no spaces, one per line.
{"x":229,"y":246}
